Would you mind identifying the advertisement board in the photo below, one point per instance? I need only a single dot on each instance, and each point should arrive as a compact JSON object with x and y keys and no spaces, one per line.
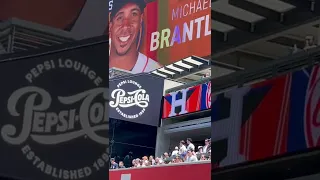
{"x":188,"y":100}
{"x":267,"y":119}
{"x":54,"y":113}
{"x":136,"y":98}
{"x":185,"y":171}
{"x":147,"y":34}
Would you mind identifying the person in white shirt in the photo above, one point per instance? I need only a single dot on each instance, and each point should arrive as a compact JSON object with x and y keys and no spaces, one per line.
{"x":182,"y":149}
{"x":190,"y":145}
{"x":191,"y":157}
{"x":175,"y":152}
{"x":125,"y":31}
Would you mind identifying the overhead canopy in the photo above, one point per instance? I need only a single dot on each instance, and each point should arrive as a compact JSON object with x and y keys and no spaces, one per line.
{"x":236,"y":22}
{"x":267,"y":70}
{"x":19,"y":35}
{"x":219,"y":69}
{"x":182,"y":68}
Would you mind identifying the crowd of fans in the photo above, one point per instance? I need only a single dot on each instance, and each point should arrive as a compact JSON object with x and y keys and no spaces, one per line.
{"x":184,"y":153}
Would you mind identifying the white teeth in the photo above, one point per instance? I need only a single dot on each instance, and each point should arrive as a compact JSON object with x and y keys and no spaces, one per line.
{"x":124,"y":39}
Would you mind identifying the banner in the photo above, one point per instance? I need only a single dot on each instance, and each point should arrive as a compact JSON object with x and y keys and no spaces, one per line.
{"x":185,"y":171}
{"x":54,"y":118}
{"x":189,"y":100}
{"x":136,"y":98}
{"x":144,"y":34}
{"x":267,"y":119}
{"x":147,"y":34}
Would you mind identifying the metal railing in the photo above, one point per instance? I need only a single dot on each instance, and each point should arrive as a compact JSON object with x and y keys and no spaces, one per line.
{"x":166,"y":165}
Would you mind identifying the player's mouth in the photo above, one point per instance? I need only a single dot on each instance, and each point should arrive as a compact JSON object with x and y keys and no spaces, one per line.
{"x":124,"y":38}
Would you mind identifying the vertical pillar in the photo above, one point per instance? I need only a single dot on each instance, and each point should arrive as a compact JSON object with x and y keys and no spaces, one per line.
{"x":162,"y":143}
{"x":318,"y":34}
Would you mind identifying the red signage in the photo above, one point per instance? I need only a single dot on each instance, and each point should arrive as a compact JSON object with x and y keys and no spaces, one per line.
{"x":188,"y":100}
{"x":167,"y":172}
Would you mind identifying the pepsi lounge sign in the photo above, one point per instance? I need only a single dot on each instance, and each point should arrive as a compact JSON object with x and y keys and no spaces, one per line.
{"x":123,"y":99}
{"x":54,"y":116}
{"x":136,"y":98}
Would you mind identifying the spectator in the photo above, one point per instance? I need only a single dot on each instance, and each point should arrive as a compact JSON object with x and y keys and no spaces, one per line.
{"x":206,"y":75}
{"x":121,"y":165}
{"x":114,"y":165}
{"x":166,"y":157}
{"x":178,"y":159}
{"x":191,"y":157}
{"x":159,"y":161}
{"x":152,"y":161}
{"x":128,"y":159}
{"x":203,"y":157}
{"x":309,"y":42}
{"x":177,"y":156}
{"x":206,"y":146}
{"x":200,"y":150}
{"x":137,"y":163}
{"x":175,"y":152}
{"x":145,"y":161}
{"x":190,"y":145}
{"x":183,"y":149}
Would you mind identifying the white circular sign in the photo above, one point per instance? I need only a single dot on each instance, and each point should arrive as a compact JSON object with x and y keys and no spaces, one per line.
{"x":122,"y":99}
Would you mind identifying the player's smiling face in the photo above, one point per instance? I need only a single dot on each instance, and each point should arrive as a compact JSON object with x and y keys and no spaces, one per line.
{"x":125,"y":28}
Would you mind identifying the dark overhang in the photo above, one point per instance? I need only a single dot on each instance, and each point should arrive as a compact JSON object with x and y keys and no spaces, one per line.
{"x":251,"y":19}
{"x":219,"y":69}
{"x":267,"y":70}
{"x":19,"y":35}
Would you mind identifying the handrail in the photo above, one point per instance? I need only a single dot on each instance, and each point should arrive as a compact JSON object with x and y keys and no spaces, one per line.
{"x":267,"y":70}
{"x":166,"y":165}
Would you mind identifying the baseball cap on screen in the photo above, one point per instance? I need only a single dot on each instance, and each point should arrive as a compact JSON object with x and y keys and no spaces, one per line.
{"x":118,"y":4}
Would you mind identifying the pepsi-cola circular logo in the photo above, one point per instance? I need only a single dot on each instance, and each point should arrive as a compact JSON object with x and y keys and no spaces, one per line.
{"x":59,"y":120}
{"x":133,"y":96}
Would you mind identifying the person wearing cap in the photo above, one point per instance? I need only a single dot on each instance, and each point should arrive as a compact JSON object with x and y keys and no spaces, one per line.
{"x":175,"y":152}
{"x":125,"y":31}
{"x":200,"y":150}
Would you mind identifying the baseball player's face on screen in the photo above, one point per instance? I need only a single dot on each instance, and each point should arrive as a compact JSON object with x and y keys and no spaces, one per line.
{"x":125,"y":27}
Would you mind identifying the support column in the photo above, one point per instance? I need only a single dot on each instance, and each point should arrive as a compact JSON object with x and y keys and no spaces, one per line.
{"x":318,"y":34}
{"x":163,"y":142}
